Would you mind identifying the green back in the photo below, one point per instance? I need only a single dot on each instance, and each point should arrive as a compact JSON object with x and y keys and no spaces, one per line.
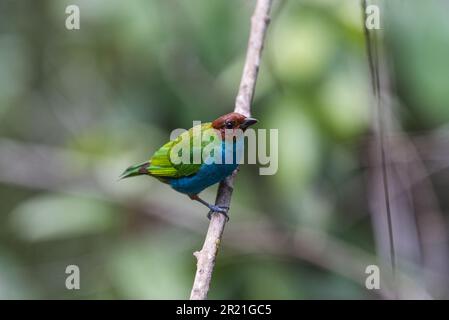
{"x":160,"y":163}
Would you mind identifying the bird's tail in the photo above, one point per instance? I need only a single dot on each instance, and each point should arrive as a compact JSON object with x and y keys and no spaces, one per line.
{"x":136,"y":170}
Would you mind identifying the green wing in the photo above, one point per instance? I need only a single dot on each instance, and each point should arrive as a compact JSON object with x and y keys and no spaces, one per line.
{"x":161,"y":165}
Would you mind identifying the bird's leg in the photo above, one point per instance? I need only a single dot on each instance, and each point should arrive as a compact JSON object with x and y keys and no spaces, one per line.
{"x":213,"y":208}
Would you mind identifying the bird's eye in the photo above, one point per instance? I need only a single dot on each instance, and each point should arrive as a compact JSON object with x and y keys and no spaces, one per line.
{"x":229,"y":124}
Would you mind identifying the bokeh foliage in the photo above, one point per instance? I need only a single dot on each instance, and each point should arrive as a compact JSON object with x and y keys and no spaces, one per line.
{"x":77,"y":107}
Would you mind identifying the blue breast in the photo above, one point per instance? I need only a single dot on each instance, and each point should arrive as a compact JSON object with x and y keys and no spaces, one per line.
{"x":207,"y":175}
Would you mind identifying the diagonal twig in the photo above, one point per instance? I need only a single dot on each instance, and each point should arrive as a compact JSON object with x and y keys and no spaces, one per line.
{"x":207,"y":255}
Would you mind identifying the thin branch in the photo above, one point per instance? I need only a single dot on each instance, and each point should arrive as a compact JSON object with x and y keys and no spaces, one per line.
{"x":206,"y":257}
{"x":371,"y":41}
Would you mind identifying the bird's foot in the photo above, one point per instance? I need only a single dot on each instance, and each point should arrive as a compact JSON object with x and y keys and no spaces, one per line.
{"x":219,"y":209}
{"x":213,"y":208}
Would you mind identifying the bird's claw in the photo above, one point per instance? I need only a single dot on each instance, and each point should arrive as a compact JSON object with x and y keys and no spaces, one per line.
{"x":219,"y":209}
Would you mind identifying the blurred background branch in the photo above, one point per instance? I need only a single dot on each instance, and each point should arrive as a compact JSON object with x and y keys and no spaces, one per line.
{"x":402,"y":235}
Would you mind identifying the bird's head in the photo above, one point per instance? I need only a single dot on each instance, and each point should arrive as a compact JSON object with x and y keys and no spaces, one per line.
{"x":232,"y":121}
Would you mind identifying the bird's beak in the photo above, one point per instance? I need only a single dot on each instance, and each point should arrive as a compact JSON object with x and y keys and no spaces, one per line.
{"x":247,"y":122}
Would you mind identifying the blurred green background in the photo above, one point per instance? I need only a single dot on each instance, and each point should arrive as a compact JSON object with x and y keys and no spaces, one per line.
{"x":77,"y":107}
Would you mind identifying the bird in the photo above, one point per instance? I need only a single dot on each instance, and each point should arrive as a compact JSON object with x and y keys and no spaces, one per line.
{"x":223,"y":137}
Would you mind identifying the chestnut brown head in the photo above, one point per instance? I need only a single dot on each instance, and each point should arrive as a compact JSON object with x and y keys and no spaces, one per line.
{"x":233,"y":120}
